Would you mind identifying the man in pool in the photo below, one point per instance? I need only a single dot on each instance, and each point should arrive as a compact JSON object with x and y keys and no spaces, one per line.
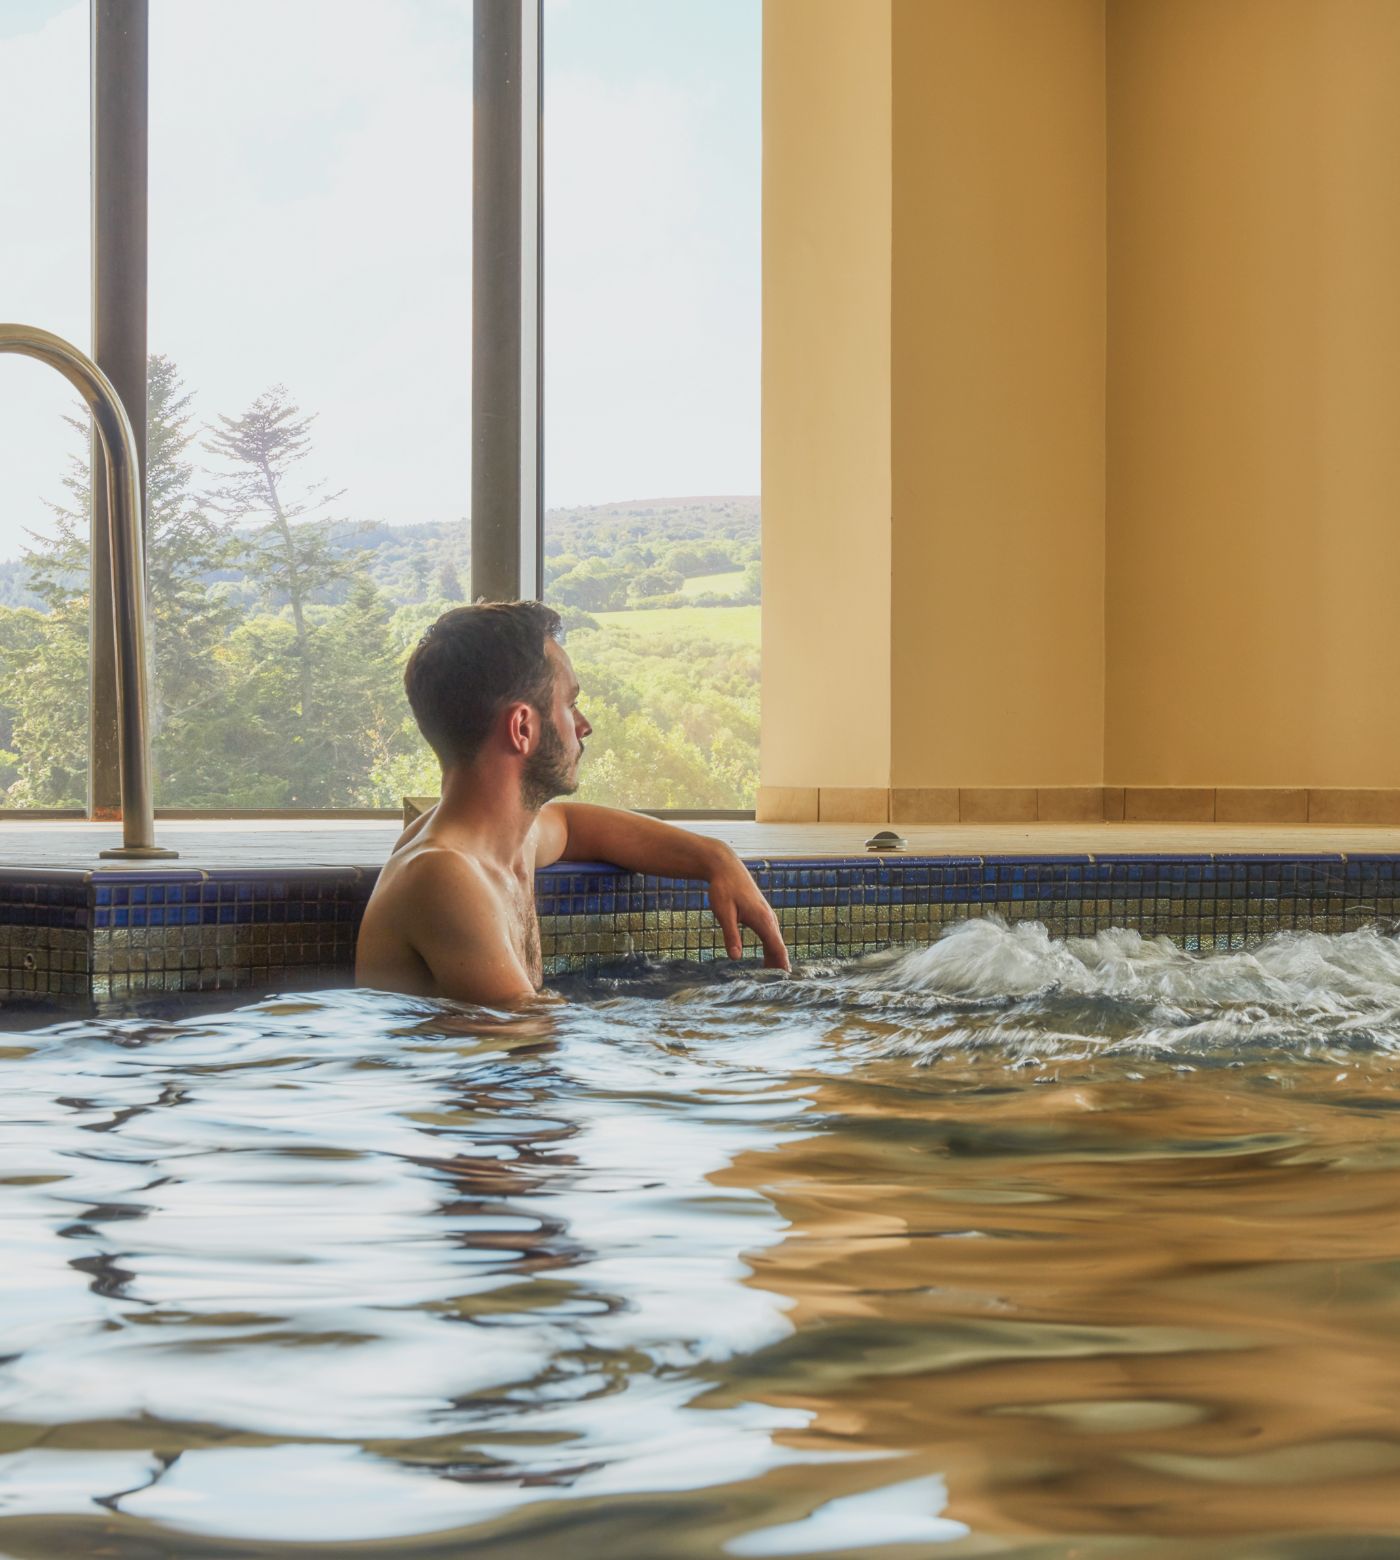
{"x":453,"y":912}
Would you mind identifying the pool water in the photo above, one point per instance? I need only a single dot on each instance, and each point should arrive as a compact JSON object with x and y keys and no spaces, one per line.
{"x":1002,"y":1246}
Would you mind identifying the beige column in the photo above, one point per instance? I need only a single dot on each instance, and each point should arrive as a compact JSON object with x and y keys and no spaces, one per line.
{"x":826,"y":409}
{"x":998,"y":407}
{"x":933,"y":405}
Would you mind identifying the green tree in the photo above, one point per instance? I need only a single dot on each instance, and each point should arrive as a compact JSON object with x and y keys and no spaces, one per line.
{"x":357,"y":664}
{"x":449,"y":583}
{"x":44,"y":656}
{"x":293,"y":553}
{"x":188,"y":619}
{"x":653,"y":582}
{"x":559,"y":563}
{"x":689,"y":558}
{"x":594,"y":584}
{"x":44,"y":672}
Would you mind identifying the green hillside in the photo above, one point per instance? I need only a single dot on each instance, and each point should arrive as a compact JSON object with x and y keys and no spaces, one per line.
{"x":730,"y":583}
{"x":726,"y":625}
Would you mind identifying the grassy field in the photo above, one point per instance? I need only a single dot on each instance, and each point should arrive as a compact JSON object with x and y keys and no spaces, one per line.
{"x":737,"y":625}
{"x":721,"y":584}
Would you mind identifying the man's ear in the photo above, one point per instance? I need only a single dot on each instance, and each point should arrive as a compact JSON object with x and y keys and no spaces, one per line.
{"x":522,"y":727}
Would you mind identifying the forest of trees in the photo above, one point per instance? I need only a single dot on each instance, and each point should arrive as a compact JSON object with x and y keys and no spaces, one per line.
{"x":280,"y":630}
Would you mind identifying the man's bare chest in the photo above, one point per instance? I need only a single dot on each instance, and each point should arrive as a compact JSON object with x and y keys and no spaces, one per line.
{"x":525,"y":929}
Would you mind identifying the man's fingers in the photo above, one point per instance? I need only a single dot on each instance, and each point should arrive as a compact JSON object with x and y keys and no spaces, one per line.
{"x":753,"y":910}
{"x":760,"y":920}
{"x":728,"y":919}
{"x":775,"y":954}
{"x":763,"y":924}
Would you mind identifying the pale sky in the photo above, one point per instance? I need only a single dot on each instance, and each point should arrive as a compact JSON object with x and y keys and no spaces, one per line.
{"x":310,"y":225}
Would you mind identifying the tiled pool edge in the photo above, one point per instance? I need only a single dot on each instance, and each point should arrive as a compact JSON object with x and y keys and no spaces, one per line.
{"x":119,"y":933}
{"x":842,"y":908}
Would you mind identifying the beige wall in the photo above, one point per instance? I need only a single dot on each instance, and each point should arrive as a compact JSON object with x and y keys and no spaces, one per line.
{"x":1112,"y":337}
{"x":1254,"y":392}
{"x":826,"y":393}
{"x":997,"y":392}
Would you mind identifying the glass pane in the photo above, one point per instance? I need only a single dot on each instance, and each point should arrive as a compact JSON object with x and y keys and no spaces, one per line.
{"x":44,"y":459}
{"x":652,"y":185}
{"x":310,"y":390}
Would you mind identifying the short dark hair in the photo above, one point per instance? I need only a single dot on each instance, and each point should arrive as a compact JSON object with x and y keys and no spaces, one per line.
{"x":473,"y":662}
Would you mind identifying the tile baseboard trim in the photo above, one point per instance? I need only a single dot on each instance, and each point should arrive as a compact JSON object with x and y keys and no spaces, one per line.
{"x":1334,"y":805}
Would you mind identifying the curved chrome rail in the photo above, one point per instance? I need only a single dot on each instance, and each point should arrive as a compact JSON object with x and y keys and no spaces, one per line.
{"x":128,"y":575}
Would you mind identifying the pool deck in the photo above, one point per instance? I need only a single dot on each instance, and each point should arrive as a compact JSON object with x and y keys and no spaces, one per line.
{"x":222,"y":844}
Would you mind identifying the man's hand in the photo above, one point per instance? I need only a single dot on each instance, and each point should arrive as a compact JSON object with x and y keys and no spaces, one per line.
{"x":578,"y":831}
{"x":736,"y":901}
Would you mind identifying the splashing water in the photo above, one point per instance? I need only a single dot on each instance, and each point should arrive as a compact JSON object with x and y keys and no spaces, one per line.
{"x":1009,"y":991}
{"x":995,"y":1246}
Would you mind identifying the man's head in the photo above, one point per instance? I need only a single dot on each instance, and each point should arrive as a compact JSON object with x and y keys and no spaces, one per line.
{"x":493,"y":677}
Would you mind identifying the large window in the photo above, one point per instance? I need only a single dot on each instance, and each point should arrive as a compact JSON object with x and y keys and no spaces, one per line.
{"x":309,"y":395}
{"x":44,"y":281}
{"x":651,"y":309}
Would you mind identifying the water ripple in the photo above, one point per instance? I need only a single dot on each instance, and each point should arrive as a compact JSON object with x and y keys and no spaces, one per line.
{"x":1000,"y":1242}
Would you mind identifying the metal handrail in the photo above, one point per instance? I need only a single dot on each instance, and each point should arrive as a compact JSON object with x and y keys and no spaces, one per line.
{"x":124,"y":520}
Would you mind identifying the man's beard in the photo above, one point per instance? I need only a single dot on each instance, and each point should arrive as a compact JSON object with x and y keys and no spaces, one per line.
{"x":547,"y":772}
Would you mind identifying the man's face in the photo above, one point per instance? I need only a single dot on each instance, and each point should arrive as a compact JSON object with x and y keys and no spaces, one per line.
{"x":552,"y":768}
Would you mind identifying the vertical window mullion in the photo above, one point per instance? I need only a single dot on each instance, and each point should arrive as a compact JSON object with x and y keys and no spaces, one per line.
{"x":507,"y":487}
{"x":119,"y":206}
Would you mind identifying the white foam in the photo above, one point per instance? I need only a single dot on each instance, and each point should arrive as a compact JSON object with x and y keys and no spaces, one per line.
{"x":992,"y":986}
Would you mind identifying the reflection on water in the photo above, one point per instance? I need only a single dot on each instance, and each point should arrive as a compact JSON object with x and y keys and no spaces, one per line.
{"x":999,"y":1247}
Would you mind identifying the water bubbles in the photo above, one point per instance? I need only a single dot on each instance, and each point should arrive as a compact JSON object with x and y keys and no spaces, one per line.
{"x":996,"y":990}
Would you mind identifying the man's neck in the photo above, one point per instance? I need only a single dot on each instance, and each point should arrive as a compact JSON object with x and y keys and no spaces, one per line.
{"x":486,"y":808}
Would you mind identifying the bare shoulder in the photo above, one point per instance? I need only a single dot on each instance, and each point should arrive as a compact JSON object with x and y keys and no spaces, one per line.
{"x":434,"y":926}
{"x":429,"y":876}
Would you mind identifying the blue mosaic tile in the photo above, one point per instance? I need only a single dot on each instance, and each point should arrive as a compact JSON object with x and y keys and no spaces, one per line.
{"x":311,"y":915}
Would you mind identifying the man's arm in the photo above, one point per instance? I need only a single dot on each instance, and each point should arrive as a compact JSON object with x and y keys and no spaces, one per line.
{"x":578,"y":831}
{"x":453,"y":922}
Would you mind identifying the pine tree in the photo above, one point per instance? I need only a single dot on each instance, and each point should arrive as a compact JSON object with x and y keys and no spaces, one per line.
{"x":44,"y":671}
{"x":292,"y":554}
{"x":188,"y":620}
{"x":357,"y":663}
